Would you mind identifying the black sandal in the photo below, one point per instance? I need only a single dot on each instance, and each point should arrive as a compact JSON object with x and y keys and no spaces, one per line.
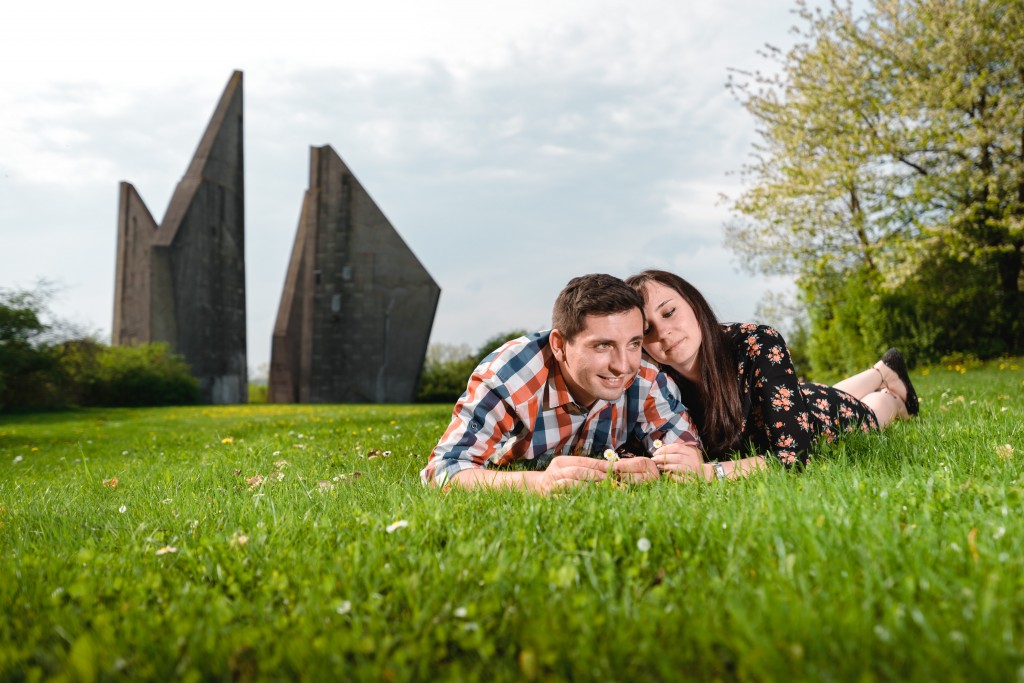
{"x":893,"y":359}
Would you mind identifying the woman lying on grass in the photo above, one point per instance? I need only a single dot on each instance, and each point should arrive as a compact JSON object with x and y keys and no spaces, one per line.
{"x":772,"y":411}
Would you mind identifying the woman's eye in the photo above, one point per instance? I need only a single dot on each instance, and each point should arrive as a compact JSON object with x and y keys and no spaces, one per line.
{"x":669,"y":313}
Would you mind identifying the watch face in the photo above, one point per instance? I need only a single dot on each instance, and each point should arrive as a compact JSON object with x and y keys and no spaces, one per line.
{"x":719,"y":470}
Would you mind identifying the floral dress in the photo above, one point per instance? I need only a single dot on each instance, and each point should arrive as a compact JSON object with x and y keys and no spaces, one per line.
{"x":781,"y":414}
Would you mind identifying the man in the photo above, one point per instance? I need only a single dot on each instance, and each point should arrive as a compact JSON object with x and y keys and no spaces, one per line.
{"x":576,"y":390}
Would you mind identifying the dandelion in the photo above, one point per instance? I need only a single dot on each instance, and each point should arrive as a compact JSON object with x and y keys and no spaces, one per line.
{"x":643,"y":545}
{"x":123,"y":509}
{"x":166,"y":550}
{"x":395,"y":526}
{"x":34,"y":449}
{"x":227,"y":439}
{"x":610,"y":455}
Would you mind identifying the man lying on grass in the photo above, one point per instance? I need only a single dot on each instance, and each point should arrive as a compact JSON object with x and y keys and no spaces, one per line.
{"x":566,"y":395}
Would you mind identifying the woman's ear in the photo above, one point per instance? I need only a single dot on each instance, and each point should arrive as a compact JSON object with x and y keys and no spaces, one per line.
{"x":557,"y":342}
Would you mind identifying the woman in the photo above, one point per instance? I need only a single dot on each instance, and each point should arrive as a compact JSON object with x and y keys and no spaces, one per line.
{"x":772,"y":411}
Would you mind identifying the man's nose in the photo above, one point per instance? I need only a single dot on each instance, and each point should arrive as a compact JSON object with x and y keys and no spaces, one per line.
{"x":619,"y":361}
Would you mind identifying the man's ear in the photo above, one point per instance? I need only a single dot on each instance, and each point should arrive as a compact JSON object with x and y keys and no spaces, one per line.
{"x":557,"y":341}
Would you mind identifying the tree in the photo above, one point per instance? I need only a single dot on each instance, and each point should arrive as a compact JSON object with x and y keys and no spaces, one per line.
{"x":891,"y":149}
{"x":27,"y":368}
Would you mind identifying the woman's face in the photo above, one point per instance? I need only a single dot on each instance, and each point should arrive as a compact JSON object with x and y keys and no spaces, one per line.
{"x":673,"y":334}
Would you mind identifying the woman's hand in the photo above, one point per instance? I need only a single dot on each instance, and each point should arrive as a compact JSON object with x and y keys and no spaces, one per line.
{"x":679,"y":459}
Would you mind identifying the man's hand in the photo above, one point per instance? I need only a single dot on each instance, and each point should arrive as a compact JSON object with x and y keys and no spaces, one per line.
{"x":564,"y":471}
{"x":679,"y":459}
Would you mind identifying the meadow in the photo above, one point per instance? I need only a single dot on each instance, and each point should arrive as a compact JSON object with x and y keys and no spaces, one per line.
{"x":296,"y":542}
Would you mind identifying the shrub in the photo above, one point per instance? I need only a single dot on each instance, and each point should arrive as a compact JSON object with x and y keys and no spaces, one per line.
{"x":144,"y":375}
{"x":447,"y":368}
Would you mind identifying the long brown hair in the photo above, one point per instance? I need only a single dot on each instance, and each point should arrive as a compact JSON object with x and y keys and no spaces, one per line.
{"x":716,"y":388}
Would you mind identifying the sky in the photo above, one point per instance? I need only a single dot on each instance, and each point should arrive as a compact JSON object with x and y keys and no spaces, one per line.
{"x":512,"y":145}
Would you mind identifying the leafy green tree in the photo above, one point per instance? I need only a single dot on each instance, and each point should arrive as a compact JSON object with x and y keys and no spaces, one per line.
{"x":891,"y":145}
{"x":27,"y":368}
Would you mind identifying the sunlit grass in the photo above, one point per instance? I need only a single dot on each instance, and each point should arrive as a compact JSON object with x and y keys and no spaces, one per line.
{"x":269,"y":542}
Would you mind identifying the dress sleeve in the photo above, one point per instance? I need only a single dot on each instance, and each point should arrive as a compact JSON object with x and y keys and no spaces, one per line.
{"x":481,"y":421}
{"x":778,"y":408}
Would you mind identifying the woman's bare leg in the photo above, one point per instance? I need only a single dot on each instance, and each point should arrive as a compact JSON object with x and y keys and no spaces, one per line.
{"x":886,"y":405}
{"x":864,"y":383}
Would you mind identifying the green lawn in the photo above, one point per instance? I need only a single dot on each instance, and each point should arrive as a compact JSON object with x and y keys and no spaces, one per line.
{"x":281,"y":542}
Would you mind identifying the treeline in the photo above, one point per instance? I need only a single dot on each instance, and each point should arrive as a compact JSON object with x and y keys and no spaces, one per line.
{"x":45,"y":365}
{"x":888,"y":178}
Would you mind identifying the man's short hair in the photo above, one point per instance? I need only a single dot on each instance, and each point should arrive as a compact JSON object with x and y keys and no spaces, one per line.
{"x":594,"y":294}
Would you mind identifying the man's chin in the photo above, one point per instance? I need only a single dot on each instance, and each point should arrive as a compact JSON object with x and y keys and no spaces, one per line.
{"x":610,"y":394}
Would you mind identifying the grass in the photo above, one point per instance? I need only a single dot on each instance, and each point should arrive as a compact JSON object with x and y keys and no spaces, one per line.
{"x":279,"y":542}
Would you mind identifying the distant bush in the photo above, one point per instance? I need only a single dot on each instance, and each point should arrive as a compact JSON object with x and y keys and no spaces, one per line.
{"x":447,"y":368}
{"x":257,"y":392}
{"x":144,"y":375}
{"x":43,"y":365}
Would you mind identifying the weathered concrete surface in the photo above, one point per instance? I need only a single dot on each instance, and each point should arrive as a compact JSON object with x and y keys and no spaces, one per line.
{"x":357,"y":307}
{"x":183,"y":281}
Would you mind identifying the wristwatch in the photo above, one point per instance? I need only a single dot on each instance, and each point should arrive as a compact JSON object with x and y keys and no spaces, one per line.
{"x":719,"y":470}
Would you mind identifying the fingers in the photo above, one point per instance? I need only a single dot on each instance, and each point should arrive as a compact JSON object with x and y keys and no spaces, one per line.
{"x":634,"y":470}
{"x":578,"y":462}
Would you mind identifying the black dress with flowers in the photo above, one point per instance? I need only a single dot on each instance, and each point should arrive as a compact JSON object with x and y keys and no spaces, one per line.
{"x":781,"y":414}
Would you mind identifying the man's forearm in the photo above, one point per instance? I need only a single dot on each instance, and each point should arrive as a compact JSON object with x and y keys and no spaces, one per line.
{"x":478,"y":477}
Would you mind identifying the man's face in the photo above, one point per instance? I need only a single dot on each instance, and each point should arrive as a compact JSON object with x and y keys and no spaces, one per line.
{"x":603,"y":358}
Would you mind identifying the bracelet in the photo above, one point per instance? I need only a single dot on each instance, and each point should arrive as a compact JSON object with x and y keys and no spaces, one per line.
{"x":719,"y":470}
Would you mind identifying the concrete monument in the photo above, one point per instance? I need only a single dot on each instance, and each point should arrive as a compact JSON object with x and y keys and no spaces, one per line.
{"x":182,"y":281}
{"x":357,"y":308}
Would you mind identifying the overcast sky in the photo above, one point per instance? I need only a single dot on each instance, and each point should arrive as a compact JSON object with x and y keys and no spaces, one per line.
{"x":512,"y":145}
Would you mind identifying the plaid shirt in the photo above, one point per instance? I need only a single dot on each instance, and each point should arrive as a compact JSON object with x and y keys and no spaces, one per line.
{"x":517,"y":407}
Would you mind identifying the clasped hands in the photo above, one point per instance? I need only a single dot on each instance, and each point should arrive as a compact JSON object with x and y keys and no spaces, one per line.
{"x":675,"y":460}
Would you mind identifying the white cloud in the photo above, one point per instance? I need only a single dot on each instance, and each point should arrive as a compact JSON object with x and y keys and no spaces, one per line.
{"x":512,"y":146}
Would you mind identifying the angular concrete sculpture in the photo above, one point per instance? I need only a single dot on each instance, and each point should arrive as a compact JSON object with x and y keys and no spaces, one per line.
{"x":183,"y":281}
{"x":357,"y":307}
